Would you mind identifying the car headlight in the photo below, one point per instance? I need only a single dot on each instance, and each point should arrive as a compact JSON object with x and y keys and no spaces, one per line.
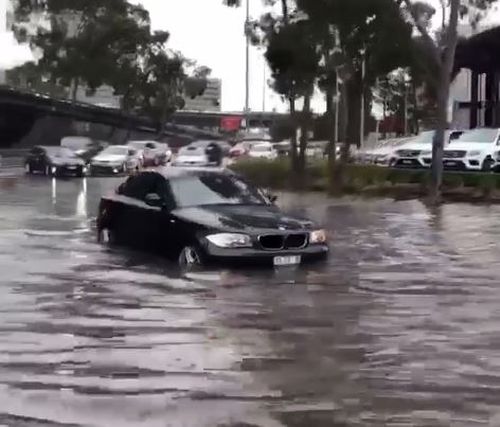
{"x":317,"y":237}
{"x":473,"y":153}
{"x":230,"y":240}
{"x":426,"y":153}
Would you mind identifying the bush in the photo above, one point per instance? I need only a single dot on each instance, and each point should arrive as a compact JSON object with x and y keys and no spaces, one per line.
{"x":453,"y":181}
{"x":277,"y":174}
{"x":265,"y":173}
{"x":487,"y":184}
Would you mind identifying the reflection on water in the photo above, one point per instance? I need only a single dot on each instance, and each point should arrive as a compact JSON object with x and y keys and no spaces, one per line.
{"x":399,"y":327}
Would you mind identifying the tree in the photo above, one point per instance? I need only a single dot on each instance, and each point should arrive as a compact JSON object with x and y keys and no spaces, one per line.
{"x":354,"y":36}
{"x":73,"y":31}
{"x":441,"y":48}
{"x":125,"y":53}
{"x":294,"y":61}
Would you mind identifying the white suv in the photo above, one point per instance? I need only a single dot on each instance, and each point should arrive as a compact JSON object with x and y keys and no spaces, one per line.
{"x":476,"y":149}
{"x":417,"y":153}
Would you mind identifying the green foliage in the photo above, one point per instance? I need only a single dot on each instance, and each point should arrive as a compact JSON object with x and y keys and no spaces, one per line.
{"x":366,"y":178}
{"x":94,"y":42}
{"x":281,"y":130}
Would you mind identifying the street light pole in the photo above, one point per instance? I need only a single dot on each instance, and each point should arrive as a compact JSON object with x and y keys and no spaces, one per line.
{"x":362,"y":118}
{"x":247,"y":65}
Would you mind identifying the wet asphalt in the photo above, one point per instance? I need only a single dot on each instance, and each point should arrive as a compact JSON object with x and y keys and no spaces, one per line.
{"x":400,"y":327}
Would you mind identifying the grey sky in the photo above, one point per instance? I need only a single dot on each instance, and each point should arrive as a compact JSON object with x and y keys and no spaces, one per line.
{"x":212,"y":34}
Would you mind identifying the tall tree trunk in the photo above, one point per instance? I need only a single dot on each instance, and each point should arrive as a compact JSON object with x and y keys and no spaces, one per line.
{"x":293,"y":141}
{"x":304,"y":135}
{"x":284,"y":10}
{"x":337,"y":182}
{"x":330,"y":116}
{"x":446,"y":69}
{"x":75,"y":84}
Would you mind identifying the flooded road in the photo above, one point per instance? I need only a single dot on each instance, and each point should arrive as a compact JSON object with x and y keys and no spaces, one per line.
{"x":401,"y":327}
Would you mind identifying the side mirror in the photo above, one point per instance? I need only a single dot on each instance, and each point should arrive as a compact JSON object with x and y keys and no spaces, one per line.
{"x":153,"y":199}
{"x":271,"y":197}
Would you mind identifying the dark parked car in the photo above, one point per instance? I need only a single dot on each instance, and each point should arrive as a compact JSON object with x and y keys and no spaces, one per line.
{"x":200,"y":216}
{"x":56,"y":161}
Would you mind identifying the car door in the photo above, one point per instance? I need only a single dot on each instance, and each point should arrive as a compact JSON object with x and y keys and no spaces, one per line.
{"x":37,"y":159}
{"x":133,"y":213}
{"x":165,"y":227}
{"x":31,"y":159}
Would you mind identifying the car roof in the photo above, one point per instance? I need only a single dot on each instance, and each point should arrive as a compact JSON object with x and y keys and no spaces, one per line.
{"x":119,"y":146}
{"x":52,"y":147}
{"x":172,"y":172}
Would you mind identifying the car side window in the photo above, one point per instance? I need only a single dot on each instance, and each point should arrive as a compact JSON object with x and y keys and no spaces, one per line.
{"x":139,"y":186}
{"x":133,"y":188}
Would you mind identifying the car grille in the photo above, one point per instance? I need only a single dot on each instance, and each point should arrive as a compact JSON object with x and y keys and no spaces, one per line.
{"x":102,"y":169}
{"x":454,"y":154}
{"x":408,"y":153}
{"x":273,"y":242}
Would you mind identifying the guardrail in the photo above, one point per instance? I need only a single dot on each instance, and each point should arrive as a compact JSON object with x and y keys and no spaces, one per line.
{"x":11,"y":162}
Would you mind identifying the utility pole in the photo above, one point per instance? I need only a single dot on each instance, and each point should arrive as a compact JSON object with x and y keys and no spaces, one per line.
{"x":264,"y":88}
{"x":362,"y":117}
{"x":247,"y":65}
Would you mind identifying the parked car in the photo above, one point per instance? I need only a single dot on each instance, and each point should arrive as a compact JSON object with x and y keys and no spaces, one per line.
{"x":263,"y":151}
{"x":192,"y":155}
{"x":54,"y":161}
{"x":417,"y":153}
{"x":116,"y":159}
{"x":241,"y":149}
{"x":200,"y":216}
{"x":283,"y":148}
{"x":153,"y":153}
{"x":86,"y":148}
{"x":476,"y":149}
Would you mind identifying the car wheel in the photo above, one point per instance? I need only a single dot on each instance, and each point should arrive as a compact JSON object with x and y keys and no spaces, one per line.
{"x":487,"y":164}
{"x":190,"y":256}
{"x":106,"y":236}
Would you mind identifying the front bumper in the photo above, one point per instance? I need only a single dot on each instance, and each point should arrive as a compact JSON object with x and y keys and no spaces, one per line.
{"x":99,"y":169}
{"x":68,"y":170}
{"x":252,"y":256}
{"x":407,"y":162}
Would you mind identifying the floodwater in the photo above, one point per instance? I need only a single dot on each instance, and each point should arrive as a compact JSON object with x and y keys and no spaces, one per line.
{"x":401,"y":327}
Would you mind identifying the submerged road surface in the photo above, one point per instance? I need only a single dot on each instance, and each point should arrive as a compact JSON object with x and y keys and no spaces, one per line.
{"x":401,"y":327}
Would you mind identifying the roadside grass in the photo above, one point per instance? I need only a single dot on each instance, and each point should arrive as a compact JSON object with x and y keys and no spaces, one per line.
{"x":370,"y":180}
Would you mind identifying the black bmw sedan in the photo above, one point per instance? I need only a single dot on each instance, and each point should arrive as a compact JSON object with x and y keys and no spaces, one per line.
{"x":54,"y":161}
{"x":202,"y":216}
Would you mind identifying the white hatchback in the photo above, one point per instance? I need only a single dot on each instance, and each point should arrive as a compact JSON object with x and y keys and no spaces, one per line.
{"x":263,"y":151}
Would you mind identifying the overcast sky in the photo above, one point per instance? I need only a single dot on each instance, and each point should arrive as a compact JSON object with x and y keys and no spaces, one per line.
{"x":208,"y":32}
{"x":212,"y":34}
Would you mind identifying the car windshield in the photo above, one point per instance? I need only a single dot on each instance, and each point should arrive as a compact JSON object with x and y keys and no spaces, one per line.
{"x":60,"y":152}
{"x":192,"y":151}
{"x":214,"y":189}
{"x":479,"y":136}
{"x":116,"y":151}
{"x":139,"y":145}
{"x":76,"y":144}
{"x":261,"y":148}
{"x":424,"y":138}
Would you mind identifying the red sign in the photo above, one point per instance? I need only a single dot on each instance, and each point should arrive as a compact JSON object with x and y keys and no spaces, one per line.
{"x":230,"y":123}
